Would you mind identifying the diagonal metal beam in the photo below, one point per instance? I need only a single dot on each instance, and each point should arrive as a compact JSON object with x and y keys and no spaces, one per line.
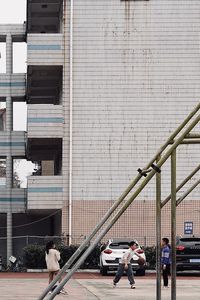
{"x":124,"y":207}
{"x":189,"y":141}
{"x":179,"y":200}
{"x":181,"y":185}
{"x":193,"y":136}
{"x":119,"y":201}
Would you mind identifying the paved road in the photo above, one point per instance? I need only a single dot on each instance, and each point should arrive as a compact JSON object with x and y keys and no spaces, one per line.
{"x":91,"y":286}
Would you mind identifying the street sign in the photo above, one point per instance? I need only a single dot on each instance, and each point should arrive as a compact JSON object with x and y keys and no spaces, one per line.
{"x":188,"y":227}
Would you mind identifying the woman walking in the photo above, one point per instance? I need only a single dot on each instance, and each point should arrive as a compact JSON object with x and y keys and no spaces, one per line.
{"x":52,"y":257}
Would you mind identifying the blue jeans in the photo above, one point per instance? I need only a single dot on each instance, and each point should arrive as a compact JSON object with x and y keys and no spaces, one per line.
{"x":120,"y":272}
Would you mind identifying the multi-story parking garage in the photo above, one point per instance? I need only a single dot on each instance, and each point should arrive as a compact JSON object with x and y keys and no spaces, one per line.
{"x":106,"y":83}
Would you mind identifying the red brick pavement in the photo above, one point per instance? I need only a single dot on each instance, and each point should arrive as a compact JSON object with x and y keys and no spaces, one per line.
{"x":85,"y":275}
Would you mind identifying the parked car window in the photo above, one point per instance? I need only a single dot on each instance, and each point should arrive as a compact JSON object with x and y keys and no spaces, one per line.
{"x":189,"y":240}
{"x":119,"y":245}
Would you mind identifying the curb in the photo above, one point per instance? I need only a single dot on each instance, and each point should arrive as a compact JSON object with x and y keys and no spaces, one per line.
{"x":78,"y":271}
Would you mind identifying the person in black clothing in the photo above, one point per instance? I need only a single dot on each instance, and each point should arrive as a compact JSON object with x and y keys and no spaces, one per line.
{"x":165,"y":260}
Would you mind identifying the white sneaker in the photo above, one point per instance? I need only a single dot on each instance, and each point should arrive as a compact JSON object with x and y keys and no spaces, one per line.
{"x":132,"y":286}
{"x":114,"y":285}
{"x":63,"y":291}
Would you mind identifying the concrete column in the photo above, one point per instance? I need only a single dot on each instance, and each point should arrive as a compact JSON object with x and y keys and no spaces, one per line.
{"x":9,"y":173}
{"x":9,"y":123}
{"x":9,"y":235}
{"x":9,"y":117}
{"x":9,"y":212}
{"x":9,"y":67}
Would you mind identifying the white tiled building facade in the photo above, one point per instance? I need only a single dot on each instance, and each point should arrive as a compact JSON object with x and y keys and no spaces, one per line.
{"x":107,"y":82}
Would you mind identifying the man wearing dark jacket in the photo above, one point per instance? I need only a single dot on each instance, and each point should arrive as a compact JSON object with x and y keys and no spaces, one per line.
{"x":165,"y":260}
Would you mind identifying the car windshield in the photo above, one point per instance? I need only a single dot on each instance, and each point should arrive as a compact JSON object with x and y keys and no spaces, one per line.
{"x":119,"y":245}
{"x":189,"y":240}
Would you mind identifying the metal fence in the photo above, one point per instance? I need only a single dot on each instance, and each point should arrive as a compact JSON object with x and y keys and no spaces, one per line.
{"x":20,"y":242}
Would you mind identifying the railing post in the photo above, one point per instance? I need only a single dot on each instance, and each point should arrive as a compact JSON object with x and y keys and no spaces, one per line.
{"x":173,"y":224}
{"x":158,"y":235}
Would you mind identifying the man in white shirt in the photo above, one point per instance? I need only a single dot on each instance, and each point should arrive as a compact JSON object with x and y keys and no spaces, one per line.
{"x":124,"y":264}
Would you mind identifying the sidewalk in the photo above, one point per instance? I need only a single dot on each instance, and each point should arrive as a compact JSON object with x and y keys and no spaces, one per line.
{"x":145,"y":290}
{"x":97,"y":289}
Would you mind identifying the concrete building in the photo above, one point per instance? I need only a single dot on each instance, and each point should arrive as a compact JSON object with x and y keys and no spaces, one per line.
{"x":107,"y":81}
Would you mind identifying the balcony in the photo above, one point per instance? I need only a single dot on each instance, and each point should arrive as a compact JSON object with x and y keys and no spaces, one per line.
{"x":45,"y":149}
{"x":44,"y":192}
{"x":17,"y":198}
{"x":44,"y":84}
{"x":16,"y":143}
{"x":16,"y":84}
{"x":44,"y":16}
{"x":45,"y":120}
{"x":45,"y":49}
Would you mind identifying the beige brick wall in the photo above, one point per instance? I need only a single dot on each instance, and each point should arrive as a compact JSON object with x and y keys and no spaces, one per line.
{"x":139,"y":221}
{"x":135,"y":78}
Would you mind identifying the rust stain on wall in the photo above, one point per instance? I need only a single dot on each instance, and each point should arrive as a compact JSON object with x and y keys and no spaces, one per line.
{"x":127,"y":15}
{"x":127,"y":9}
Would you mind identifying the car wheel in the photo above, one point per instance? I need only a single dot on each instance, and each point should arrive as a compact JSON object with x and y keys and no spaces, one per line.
{"x":103,"y":271}
{"x":140,"y":272}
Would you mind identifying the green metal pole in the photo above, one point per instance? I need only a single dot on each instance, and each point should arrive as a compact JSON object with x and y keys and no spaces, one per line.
{"x":189,"y":141}
{"x":85,"y":243}
{"x":193,"y":136}
{"x":174,"y":134}
{"x":116,"y":204}
{"x":158,"y":235}
{"x":124,"y":207}
{"x":173,"y":224}
{"x":181,"y":184}
{"x":187,"y":192}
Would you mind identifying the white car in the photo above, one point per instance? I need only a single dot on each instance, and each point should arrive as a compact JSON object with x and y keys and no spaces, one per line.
{"x":113,"y":250}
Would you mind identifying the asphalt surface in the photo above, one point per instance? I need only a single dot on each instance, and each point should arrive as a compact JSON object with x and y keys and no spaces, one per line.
{"x":93,"y":286}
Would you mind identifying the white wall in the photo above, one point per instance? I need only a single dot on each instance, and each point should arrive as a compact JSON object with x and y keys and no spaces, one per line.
{"x":136,"y":77}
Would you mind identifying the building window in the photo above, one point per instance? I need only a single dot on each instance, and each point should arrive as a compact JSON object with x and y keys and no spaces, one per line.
{"x":2,"y":172}
{"x":19,"y":116}
{"x":19,"y":57}
{"x":21,"y":170}
{"x":2,"y":57}
{"x":2,"y":116}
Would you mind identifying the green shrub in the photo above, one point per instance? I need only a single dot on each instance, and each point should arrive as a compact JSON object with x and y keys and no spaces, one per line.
{"x":66,"y":252}
{"x":150,"y":253}
{"x":92,"y":261}
{"x":34,"y":256}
